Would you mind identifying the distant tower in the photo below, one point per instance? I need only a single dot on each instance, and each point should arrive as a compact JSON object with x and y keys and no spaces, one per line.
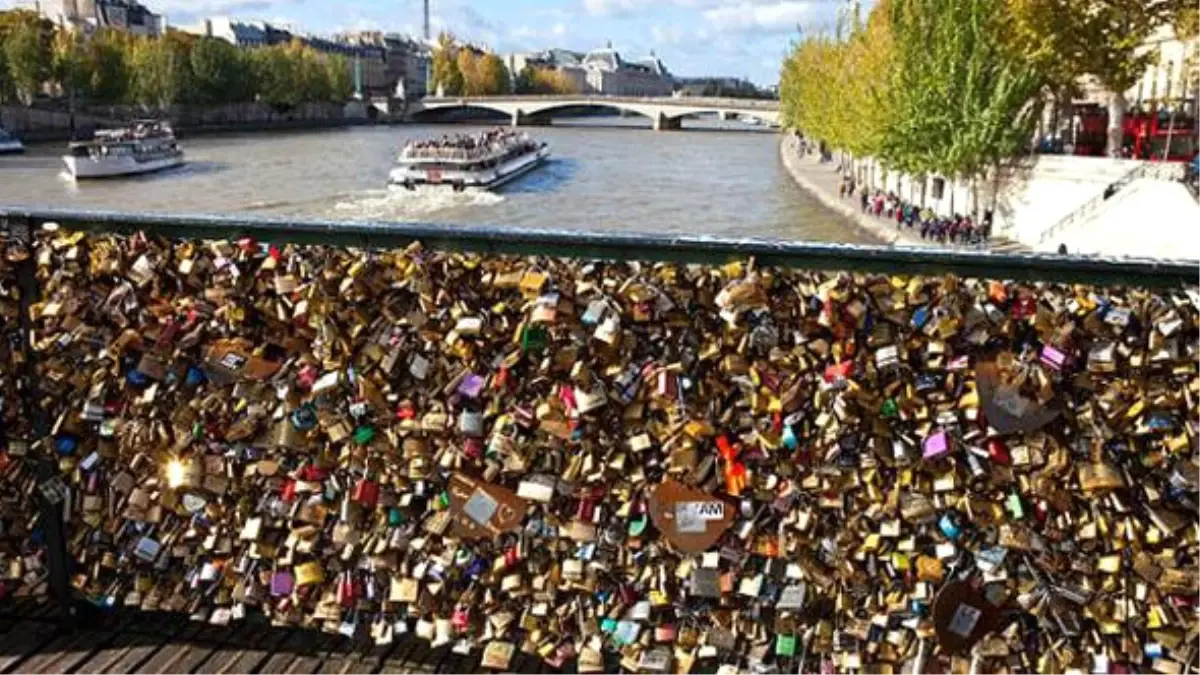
{"x":427,"y":36}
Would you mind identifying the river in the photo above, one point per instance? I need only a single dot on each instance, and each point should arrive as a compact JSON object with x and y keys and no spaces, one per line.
{"x":707,"y":180}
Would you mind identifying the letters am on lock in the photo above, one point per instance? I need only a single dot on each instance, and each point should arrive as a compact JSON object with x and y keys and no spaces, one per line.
{"x":598,"y":465}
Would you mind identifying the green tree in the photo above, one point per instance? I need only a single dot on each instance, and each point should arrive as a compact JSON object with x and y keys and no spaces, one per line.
{"x":523,"y":82}
{"x":964,"y":96}
{"x":277,"y":77}
{"x":1101,"y":38}
{"x":26,"y":54}
{"x":445,"y":66}
{"x":69,"y":67}
{"x":108,"y":59}
{"x":337,"y":73}
{"x":220,"y":73}
{"x":161,"y":71}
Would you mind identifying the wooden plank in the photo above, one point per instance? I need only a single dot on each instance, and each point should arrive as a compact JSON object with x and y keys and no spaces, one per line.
{"x":104,"y":658}
{"x":244,"y":652}
{"x":406,"y":646}
{"x":415,"y":660}
{"x":144,"y":635}
{"x":453,"y":662}
{"x":188,"y":650}
{"x":24,"y":640}
{"x":171,"y":651}
{"x":66,"y":652}
{"x":433,"y":659}
{"x":298,"y":655}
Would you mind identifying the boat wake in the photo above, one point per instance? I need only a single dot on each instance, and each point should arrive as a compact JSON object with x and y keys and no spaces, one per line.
{"x":397,"y":203}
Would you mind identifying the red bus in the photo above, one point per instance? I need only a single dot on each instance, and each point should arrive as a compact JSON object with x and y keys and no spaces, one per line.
{"x":1146,"y":134}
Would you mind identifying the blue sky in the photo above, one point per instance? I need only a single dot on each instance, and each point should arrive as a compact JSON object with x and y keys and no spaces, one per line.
{"x":743,"y":38}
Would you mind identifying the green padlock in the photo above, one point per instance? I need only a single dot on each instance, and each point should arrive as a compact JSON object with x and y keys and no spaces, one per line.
{"x":889,"y":408}
{"x":363,"y":435}
{"x":785,"y":645}
{"x":533,"y":338}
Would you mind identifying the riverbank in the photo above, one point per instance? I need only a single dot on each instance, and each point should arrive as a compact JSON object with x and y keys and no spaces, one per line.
{"x":38,"y":125}
{"x":821,"y":181}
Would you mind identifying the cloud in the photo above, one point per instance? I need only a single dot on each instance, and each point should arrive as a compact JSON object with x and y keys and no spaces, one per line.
{"x":628,"y":7}
{"x":746,"y":17}
{"x":666,"y":36}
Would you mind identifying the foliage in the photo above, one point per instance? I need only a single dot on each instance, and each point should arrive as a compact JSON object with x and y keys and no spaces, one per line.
{"x":1101,"y":38}
{"x":965,"y":99}
{"x":446,"y":74}
{"x":26,"y":53}
{"x":532,"y":80}
{"x":161,"y":70}
{"x":221,"y":73}
{"x":114,"y":67}
{"x":493,"y":75}
{"x":109,"y":66}
{"x":463,"y":70}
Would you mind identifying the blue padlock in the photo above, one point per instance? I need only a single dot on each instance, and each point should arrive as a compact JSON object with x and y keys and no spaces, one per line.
{"x":789,"y":439}
{"x":65,"y":445}
{"x":949,"y":527}
{"x":195,"y":377}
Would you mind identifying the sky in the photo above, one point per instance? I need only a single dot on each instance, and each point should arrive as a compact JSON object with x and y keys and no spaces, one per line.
{"x":732,"y":38}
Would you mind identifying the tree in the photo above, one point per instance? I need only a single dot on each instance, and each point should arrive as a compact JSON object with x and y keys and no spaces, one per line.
{"x":161,"y":70}
{"x":108,"y":59}
{"x":337,"y":72}
{"x":446,"y":74}
{"x":1101,"y":38}
{"x":220,"y":73}
{"x":493,"y":75}
{"x":26,"y":54}
{"x":276,"y":76}
{"x":468,"y":68}
{"x":68,"y":63}
{"x":964,"y":97}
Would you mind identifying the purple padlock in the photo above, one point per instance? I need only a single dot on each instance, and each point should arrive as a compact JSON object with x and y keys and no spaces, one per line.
{"x":282,"y":583}
{"x":471,"y":385}
{"x":936,"y":446}
{"x":1053,"y":358}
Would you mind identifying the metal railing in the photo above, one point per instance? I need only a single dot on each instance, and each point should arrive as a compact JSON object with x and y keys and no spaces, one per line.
{"x":681,"y":248}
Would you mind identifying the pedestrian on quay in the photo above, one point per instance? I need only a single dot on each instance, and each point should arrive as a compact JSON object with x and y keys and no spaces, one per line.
{"x":865,"y":200}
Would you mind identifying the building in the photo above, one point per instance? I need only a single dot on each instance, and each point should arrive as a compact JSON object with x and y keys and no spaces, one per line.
{"x":125,"y":15}
{"x":600,"y":71}
{"x":367,"y":63}
{"x":243,"y":34}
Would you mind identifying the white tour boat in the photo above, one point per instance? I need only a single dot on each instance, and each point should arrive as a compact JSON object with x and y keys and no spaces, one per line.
{"x":9,"y":144}
{"x":482,"y":162}
{"x":141,"y":148}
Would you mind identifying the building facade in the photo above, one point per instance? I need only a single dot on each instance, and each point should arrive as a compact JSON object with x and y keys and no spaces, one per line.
{"x":125,"y":15}
{"x":600,"y":71}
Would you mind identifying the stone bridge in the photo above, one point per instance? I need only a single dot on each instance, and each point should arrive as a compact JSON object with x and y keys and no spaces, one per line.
{"x":664,"y":112}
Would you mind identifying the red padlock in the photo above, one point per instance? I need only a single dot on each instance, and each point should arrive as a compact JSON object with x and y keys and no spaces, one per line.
{"x":998,"y":453}
{"x":346,"y":591}
{"x":289,"y":491}
{"x":366,"y":492}
{"x":512,"y":555}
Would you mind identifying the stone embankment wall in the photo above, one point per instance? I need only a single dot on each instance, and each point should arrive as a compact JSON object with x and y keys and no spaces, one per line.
{"x":37,"y":124}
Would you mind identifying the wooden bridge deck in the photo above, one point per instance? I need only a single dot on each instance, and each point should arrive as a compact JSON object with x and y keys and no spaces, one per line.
{"x":151,"y":642}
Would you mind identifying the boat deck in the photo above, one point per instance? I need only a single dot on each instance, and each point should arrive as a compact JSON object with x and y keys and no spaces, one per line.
{"x":31,"y":641}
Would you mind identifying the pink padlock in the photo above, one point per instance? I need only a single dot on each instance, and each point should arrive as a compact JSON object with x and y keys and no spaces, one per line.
{"x":936,"y":446}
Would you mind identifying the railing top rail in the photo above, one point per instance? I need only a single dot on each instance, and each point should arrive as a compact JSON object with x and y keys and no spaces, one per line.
{"x":628,"y":246}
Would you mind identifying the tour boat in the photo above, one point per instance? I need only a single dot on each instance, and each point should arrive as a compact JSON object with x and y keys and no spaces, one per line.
{"x":141,"y":148}
{"x":492,"y":160}
{"x":9,"y":144}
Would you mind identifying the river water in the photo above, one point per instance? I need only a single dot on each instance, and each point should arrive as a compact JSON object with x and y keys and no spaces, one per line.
{"x":707,"y":179}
